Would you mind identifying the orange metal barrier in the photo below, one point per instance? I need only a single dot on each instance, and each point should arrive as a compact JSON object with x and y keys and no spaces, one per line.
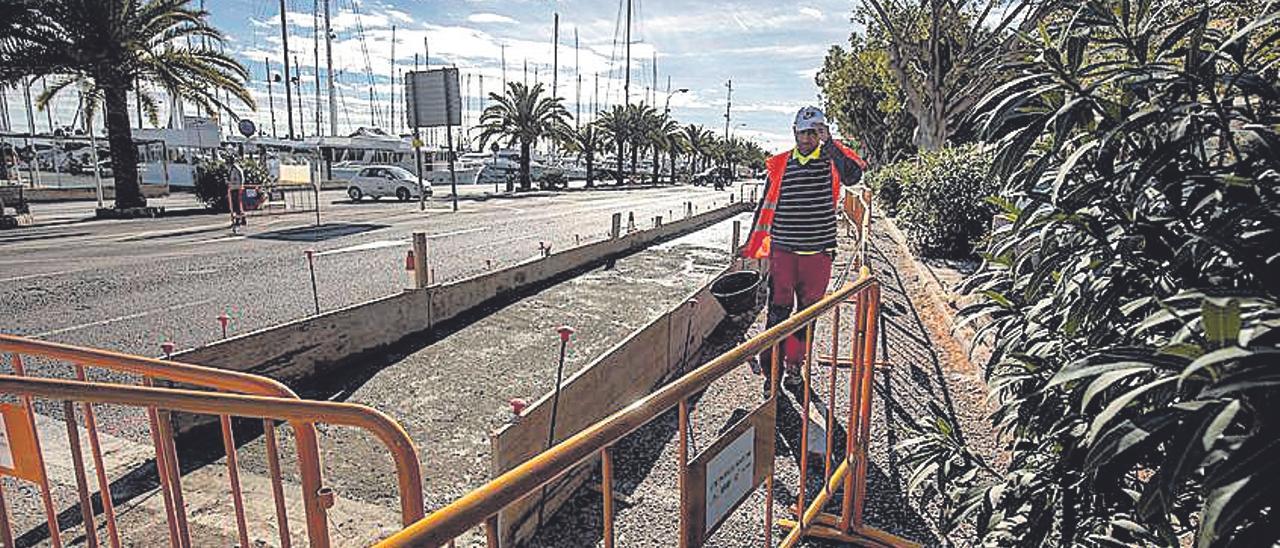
{"x":482,"y":505}
{"x":276,"y":401}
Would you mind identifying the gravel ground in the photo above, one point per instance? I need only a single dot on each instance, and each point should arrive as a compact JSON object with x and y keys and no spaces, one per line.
{"x":925,"y":364}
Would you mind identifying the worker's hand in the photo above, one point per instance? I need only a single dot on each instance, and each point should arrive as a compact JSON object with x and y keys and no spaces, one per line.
{"x":824,"y":133}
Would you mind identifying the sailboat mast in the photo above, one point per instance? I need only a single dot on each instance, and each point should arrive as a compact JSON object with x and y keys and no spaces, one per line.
{"x":555,"y":54}
{"x":288,"y":89}
{"x":653,"y":99}
{"x":626,"y":82}
{"x":577,"y":72}
{"x":328,"y":53}
{"x":315,"y":35}
{"x":392,"y":122}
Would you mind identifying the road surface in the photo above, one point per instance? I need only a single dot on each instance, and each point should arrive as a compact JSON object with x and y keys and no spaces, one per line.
{"x":131,"y":285}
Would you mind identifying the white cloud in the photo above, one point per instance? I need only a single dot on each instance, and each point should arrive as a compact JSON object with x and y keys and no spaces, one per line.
{"x":484,"y":18}
{"x":813,"y":13}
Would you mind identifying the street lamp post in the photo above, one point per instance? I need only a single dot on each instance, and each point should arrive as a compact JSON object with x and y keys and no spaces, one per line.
{"x":666,"y":115}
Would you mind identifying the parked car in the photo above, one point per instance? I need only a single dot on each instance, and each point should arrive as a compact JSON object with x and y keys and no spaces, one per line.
{"x":378,"y":181}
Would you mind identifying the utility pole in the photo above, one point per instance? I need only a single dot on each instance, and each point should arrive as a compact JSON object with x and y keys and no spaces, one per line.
{"x":328,"y":54}
{"x":392,"y":122}
{"x":271,"y":98}
{"x":288,"y":91}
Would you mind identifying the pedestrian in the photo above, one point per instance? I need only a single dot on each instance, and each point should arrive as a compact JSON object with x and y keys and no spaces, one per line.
{"x":795,"y":227}
{"x":235,"y":191}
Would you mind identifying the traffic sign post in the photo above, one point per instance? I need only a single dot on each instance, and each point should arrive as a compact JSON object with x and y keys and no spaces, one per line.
{"x":433,"y":101}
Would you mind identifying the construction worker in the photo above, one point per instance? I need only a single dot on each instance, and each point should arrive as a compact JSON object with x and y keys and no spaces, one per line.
{"x":795,"y":226}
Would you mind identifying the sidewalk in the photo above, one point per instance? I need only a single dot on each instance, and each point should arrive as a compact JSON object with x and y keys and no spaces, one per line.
{"x":57,"y":213}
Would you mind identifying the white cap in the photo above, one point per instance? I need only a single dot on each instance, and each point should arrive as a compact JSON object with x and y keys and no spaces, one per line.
{"x":809,"y":118}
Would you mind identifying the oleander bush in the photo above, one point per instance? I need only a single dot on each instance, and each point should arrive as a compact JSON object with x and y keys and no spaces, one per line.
{"x":1131,"y":299}
{"x":943,"y":205}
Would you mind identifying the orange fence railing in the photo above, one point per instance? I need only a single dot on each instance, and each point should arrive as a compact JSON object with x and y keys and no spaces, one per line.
{"x":247,"y":396}
{"x":846,"y":472}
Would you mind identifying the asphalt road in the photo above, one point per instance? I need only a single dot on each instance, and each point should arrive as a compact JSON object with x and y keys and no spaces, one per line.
{"x":131,"y":285}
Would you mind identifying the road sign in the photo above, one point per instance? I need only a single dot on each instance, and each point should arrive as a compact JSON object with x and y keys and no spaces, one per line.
{"x":247,"y":127}
{"x":417,"y":143}
{"x":433,"y":99}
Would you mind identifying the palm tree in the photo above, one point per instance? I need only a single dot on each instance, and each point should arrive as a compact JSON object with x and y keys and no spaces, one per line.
{"x":106,"y":48}
{"x":616,"y":126}
{"x":673,"y":143}
{"x":523,"y":115}
{"x":585,"y":140}
{"x":701,"y":143}
{"x":640,"y":117}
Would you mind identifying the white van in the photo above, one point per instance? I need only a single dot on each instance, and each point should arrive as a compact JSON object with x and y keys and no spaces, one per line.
{"x":384,"y":180}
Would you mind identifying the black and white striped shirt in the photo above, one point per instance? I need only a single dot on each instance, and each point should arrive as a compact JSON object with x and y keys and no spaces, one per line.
{"x":805,"y":219}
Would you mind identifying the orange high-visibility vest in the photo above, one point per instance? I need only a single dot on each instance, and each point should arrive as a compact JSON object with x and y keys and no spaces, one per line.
{"x":758,"y":242}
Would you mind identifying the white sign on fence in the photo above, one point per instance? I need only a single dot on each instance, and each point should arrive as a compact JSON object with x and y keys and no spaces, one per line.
{"x":729,"y":476}
{"x":431,"y":95}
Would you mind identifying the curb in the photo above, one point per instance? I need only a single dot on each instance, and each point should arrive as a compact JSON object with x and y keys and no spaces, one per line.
{"x":942,"y":299}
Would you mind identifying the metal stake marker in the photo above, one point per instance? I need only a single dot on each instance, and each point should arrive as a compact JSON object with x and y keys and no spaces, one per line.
{"x":565,"y":331}
{"x":311,"y":265}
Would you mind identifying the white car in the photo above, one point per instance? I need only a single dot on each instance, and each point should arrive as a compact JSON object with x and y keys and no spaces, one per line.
{"x":378,"y":181}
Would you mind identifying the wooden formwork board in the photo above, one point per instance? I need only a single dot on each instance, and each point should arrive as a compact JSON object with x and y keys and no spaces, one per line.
{"x":629,"y":371}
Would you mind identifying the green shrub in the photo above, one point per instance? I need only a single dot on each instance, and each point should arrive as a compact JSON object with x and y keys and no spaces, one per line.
{"x":943,"y":207}
{"x":886,"y":182}
{"x":211,"y":181}
{"x":1131,"y":298}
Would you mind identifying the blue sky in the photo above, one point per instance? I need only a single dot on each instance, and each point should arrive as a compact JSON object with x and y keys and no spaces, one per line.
{"x":770,"y":49}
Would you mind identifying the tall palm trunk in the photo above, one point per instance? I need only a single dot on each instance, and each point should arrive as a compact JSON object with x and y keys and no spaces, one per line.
{"x":620,"y":157}
{"x":526,"y":182}
{"x":657,"y":164}
{"x":590,"y":172}
{"x":124,"y":157}
{"x":673,"y":165}
{"x":635,"y":153}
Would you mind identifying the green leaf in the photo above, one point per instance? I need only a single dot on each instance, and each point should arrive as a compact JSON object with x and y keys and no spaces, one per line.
{"x":1072,"y":372}
{"x":1117,"y":405}
{"x":1221,"y":322}
{"x":1106,"y":380}
{"x":1067,"y":166}
{"x":998,"y":297}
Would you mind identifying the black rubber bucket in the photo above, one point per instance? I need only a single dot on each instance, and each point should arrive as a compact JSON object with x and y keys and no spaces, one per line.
{"x":736,"y":291}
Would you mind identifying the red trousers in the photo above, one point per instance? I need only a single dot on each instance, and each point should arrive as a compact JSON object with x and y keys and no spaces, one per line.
{"x":797,"y":282}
